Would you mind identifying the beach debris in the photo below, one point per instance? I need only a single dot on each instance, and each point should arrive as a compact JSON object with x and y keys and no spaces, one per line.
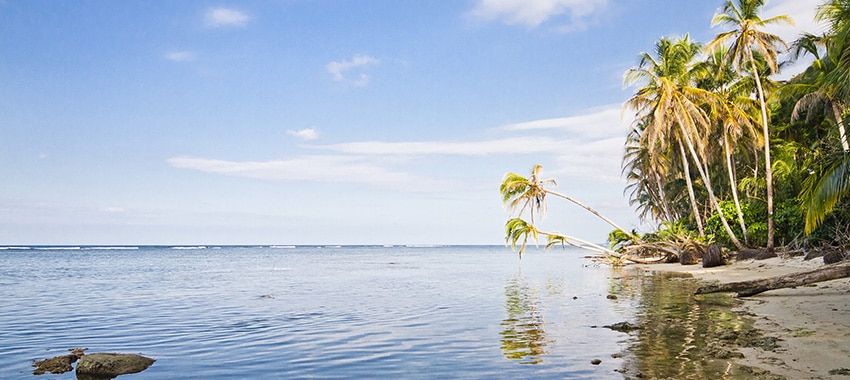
{"x":596,"y":362}
{"x":112,"y":364}
{"x":713,"y":257}
{"x":840,"y":371}
{"x":58,"y":364}
{"x":691,"y":255}
{"x":624,"y":327}
{"x":751,"y":288}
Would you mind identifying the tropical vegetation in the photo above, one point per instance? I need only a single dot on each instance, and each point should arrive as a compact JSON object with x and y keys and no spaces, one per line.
{"x":722,"y":150}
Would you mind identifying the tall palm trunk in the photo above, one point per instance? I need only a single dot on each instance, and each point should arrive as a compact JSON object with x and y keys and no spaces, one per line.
{"x":733,"y":185}
{"x":662,"y":198}
{"x":707,"y":180}
{"x":836,"y":112}
{"x":691,"y":195}
{"x":768,"y":171}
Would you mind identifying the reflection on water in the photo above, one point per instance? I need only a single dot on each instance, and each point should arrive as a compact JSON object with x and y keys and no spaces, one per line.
{"x":523,"y":334}
{"x":683,"y":336}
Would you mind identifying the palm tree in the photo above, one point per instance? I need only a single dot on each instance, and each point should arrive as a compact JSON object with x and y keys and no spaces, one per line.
{"x":734,"y":113}
{"x":746,"y":36}
{"x":519,"y":193}
{"x":674,"y":109}
{"x":819,"y":92}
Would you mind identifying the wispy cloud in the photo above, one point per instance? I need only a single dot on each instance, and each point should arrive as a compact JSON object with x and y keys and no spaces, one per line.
{"x":304,"y":134}
{"x":510,"y":145}
{"x":533,"y":13}
{"x":223,"y":17}
{"x":599,"y":122}
{"x":180,"y":56}
{"x":313,"y":168}
{"x":339,"y":69}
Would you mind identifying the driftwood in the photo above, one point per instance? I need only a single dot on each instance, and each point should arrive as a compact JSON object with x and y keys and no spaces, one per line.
{"x":751,"y":288}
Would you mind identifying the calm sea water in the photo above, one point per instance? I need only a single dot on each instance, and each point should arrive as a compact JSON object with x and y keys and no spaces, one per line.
{"x":321,"y":312}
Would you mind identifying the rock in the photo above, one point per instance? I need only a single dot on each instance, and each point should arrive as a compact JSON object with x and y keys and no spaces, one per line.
{"x":58,"y":364}
{"x":112,"y":364}
{"x":624,"y":327}
{"x":833,"y":257}
{"x":596,"y":362}
{"x":611,"y":297}
{"x":575,"y":298}
{"x":713,"y":257}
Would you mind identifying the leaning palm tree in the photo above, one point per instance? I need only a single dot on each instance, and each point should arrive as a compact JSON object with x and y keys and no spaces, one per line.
{"x":521,"y":193}
{"x":746,"y":37}
{"x":673,"y":107}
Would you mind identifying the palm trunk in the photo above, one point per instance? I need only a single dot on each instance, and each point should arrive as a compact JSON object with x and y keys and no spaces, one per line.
{"x":768,"y":171}
{"x":708,"y":187}
{"x":588,"y":208}
{"x":836,"y":112}
{"x":693,"y":198}
{"x":662,"y":199}
{"x":584,"y":244}
{"x":733,"y":185}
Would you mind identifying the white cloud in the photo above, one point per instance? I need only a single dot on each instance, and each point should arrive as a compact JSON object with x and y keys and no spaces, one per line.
{"x":594,"y":123}
{"x":221,"y":17}
{"x":510,"y":145}
{"x":304,"y":134}
{"x":313,"y":168}
{"x":533,"y":13}
{"x":338,"y":69}
{"x":180,"y":56}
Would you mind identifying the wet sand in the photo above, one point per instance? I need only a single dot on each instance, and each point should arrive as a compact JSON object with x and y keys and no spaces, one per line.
{"x":812,"y":321}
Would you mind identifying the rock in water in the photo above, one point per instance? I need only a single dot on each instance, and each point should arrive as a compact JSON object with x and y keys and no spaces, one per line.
{"x":111,"y":364}
{"x":713,"y":257}
{"x":58,"y":364}
{"x":622,"y":327}
{"x":596,"y":362}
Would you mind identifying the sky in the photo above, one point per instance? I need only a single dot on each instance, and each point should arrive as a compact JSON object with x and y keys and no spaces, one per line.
{"x":319,"y":122}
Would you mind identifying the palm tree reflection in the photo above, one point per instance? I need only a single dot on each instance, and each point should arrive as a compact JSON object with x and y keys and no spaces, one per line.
{"x":523,"y":336}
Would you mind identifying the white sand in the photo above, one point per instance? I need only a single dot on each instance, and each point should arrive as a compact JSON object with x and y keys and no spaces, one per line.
{"x":812,"y":321}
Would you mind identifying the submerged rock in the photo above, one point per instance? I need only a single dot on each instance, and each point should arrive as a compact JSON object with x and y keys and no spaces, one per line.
{"x":624,"y":327}
{"x":112,"y":364}
{"x":596,"y":362}
{"x":58,"y":364}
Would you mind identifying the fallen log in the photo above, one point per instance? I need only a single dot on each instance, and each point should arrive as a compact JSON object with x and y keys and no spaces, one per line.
{"x":751,"y":288}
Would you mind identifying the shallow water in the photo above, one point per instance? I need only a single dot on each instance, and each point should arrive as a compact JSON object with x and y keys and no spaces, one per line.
{"x":262,"y":312}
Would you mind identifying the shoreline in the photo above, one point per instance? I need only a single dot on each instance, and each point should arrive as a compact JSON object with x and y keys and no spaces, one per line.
{"x":811,"y":321}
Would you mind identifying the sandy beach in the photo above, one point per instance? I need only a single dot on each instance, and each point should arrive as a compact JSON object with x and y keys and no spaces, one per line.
{"x":811,"y":321}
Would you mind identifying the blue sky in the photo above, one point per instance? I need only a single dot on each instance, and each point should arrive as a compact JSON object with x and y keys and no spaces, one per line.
{"x":324,"y":122}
